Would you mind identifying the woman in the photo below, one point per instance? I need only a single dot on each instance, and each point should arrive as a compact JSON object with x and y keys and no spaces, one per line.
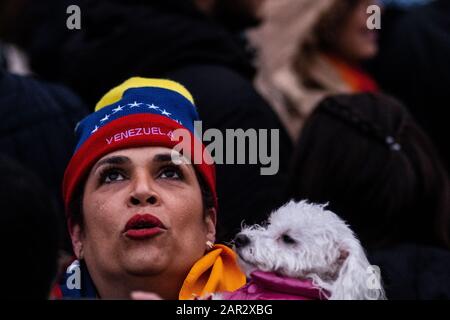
{"x":308,"y":49}
{"x":139,"y":218}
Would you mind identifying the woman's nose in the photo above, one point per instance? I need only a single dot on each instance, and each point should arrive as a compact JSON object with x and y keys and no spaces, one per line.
{"x":143,"y":193}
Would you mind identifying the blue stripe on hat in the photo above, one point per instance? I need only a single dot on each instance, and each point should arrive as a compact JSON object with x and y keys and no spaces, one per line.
{"x":145,"y":100}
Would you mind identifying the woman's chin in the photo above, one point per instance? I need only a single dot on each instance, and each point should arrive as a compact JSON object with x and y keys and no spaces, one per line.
{"x":143,"y":270}
{"x":144,"y":263}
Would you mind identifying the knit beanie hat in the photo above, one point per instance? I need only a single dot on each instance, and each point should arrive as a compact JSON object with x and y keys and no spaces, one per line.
{"x":140,"y":112}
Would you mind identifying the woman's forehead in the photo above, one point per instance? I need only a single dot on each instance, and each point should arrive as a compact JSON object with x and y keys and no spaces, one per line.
{"x":144,"y":154}
{"x":140,"y":152}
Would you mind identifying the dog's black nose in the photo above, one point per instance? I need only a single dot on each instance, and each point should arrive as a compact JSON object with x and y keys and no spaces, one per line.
{"x":241,"y":240}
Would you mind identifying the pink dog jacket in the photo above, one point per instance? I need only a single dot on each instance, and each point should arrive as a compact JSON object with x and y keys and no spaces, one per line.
{"x":270,"y":286}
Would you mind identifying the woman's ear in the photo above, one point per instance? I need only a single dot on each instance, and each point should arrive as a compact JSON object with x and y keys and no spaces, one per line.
{"x":211,"y":220}
{"x":76,"y":236}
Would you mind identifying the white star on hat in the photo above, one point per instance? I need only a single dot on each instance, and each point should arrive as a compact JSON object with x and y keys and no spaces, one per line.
{"x":105,"y":118}
{"x":134,"y":104}
{"x":119,"y":108}
{"x":164,"y":112}
{"x":95,"y":129}
{"x":152,"y":106}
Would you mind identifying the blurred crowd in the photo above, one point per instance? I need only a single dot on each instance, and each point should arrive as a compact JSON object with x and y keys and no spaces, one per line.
{"x":360,"y":114}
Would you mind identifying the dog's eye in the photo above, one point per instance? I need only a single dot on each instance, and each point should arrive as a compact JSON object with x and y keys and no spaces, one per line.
{"x":287,"y":239}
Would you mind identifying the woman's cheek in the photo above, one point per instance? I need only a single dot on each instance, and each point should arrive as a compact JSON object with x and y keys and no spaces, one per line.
{"x":102,"y":218}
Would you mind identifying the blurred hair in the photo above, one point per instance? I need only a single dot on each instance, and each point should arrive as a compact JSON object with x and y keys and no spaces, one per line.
{"x":30,"y":234}
{"x":325,"y":33}
{"x":366,"y":156}
{"x":329,"y":24}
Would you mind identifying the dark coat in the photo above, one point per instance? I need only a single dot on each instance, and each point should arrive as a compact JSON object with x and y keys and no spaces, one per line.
{"x":412,"y":272}
{"x":414,"y":66}
{"x":37,"y":126}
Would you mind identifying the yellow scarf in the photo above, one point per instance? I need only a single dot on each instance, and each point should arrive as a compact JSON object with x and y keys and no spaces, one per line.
{"x":217,"y":271}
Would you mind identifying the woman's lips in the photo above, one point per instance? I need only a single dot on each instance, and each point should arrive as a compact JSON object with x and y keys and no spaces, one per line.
{"x":142,"y":234}
{"x":143,"y":226}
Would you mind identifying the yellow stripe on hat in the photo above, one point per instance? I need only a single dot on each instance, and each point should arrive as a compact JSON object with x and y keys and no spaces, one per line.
{"x":116,"y":93}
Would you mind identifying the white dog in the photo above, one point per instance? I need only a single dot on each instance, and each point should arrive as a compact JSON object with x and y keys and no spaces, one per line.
{"x":306,"y":241}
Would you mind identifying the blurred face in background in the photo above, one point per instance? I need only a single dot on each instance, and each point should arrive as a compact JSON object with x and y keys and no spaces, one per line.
{"x":356,"y":41}
{"x":343,"y":31}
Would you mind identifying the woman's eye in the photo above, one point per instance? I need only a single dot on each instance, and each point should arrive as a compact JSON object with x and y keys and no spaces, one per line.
{"x":171,"y":173}
{"x":112,"y":176}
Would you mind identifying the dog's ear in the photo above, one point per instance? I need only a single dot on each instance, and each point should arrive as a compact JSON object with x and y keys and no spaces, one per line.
{"x":355,"y":277}
{"x":343,"y":255}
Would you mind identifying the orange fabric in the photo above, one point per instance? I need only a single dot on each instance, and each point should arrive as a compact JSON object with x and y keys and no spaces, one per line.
{"x":355,"y":78}
{"x":217,"y":271}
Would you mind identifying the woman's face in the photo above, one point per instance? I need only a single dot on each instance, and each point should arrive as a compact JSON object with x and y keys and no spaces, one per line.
{"x":143,"y":215}
{"x":356,"y":42}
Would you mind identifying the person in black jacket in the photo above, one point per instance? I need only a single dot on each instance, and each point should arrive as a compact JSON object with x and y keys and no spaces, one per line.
{"x":368,"y":159}
{"x":31,"y":233}
{"x":37,"y":127}
{"x":413,"y":66}
{"x":174,"y":40}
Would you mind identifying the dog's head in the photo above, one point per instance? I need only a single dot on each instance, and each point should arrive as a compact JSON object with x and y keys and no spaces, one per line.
{"x":303,"y":240}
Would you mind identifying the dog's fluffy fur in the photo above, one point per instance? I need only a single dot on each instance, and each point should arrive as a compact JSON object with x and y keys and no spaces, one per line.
{"x":306,"y":241}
